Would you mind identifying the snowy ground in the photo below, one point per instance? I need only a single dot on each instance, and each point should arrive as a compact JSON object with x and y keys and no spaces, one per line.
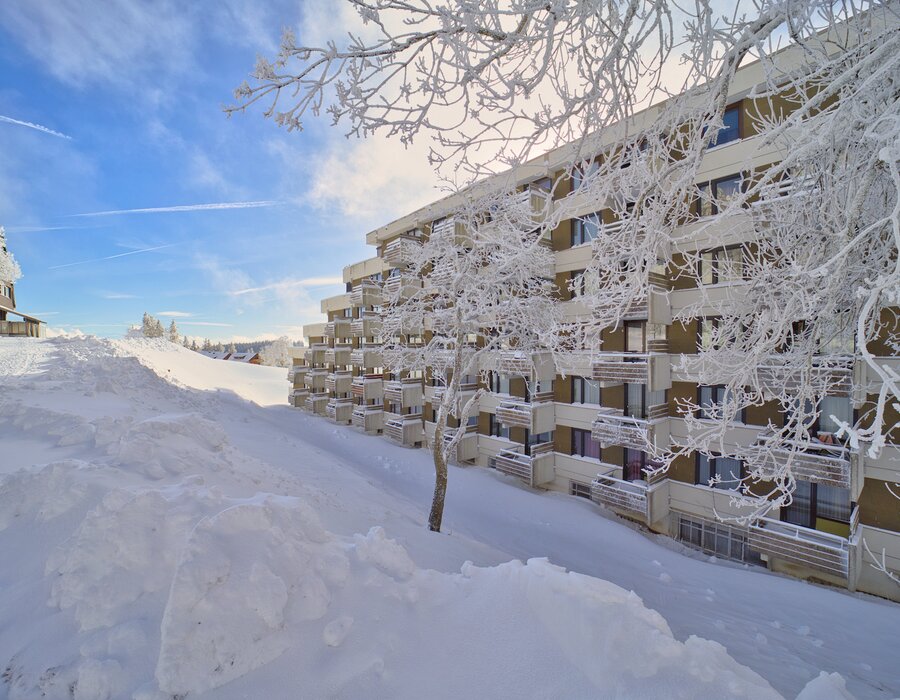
{"x":165,"y":537}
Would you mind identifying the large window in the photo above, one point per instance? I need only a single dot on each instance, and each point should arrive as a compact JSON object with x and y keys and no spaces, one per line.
{"x":813,"y":501}
{"x":731,"y":131}
{"x":713,"y":197}
{"x":583,"y":445}
{"x":717,"y":538}
{"x":496,"y":428}
{"x":722,"y":265}
{"x":585,"y":390}
{"x":727,"y":470}
{"x":582,"y":172}
{"x":583,"y":283}
{"x":586,"y":228}
{"x":498,"y":383}
{"x":711,"y":399}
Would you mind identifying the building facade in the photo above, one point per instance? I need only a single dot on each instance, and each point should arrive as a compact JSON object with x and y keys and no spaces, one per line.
{"x":12,"y":321}
{"x":586,"y":432}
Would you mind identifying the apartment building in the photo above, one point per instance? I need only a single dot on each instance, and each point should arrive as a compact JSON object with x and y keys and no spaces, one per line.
{"x":586,"y":433}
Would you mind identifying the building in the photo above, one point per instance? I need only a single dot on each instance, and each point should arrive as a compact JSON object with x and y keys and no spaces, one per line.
{"x":12,"y":321}
{"x":586,"y":433}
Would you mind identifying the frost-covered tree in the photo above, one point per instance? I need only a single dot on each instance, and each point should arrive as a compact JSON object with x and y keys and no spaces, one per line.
{"x":495,"y":82}
{"x":479,"y":282}
{"x":152,"y":327}
{"x":277,"y":353}
{"x":10,"y":272}
{"x":207,"y":345}
{"x":172,"y":333}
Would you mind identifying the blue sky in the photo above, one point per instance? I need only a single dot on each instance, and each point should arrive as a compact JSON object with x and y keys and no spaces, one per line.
{"x":138,"y":89}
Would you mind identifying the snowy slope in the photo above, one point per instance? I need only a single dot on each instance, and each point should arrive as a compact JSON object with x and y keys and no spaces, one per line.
{"x":163,"y":536}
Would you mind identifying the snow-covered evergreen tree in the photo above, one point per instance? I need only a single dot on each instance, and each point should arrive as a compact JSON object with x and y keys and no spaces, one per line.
{"x":277,"y":353}
{"x":172,"y":333}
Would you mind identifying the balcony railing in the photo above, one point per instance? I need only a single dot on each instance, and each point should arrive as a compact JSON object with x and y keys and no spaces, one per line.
{"x":297,"y":374}
{"x":297,"y":397}
{"x":536,"y":415}
{"x":533,"y":469}
{"x":819,"y":551}
{"x":401,"y":287}
{"x":831,"y":374}
{"x":339,"y":382}
{"x":317,"y":352}
{"x":316,"y":403}
{"x":340,"y":354}
{"x":524,"y":364}
{"x":625,"y":497}
{"x":407,"y":430}
{"x":402,"y":250}
{"x":315,"y":379}
{"x":406,"y":392}
{"x":366,"y":293}
{"x":368,"y":356}
{"x":369,"y":388}
{"x":816,"y":461}
{"x":467,"y":447}
{"x":339,"y":410}
{"x":368,"y":418}
{"x":367,"y":326}
{"x":612,"y":427}
{"x":453,"y":230}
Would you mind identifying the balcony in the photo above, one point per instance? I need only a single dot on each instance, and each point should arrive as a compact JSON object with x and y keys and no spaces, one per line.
{"x":316,"y":403}
{"x":339,"y":382}
{"x":452,"y":230}
{"x":367,"y":326}
{"x":465,"y":392}
{"x":367,"y":357}
{"x":816,"y":461}
{"x":628,"y":498}
{"x":297,"y":375}
{"x":402,"y":250}
{"x":537,"y":416}
{"x":315,"y":379}
{"x":467,"y":447}
{"x":534,"y":469}
{"x":831,"y":375}
{"x":407,"y":430}
{"x":368,"y":418}
{"x":650,"y":369}
{"x":317,"y":352}
{"x":399,"y":288}
{"x":339,"y":355}
{"x":612,"y":427}
{"x":536,"y":365}
{"x":339,"y":410}
{"x":366,"y":293}
{"x":408,"y":393}
{"x":368,"y":388}
{"x":801,"y":546}
{"x":297,"y":397}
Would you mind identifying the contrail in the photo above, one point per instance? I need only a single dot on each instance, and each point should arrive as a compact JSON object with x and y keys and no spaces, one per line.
{"x":110,"y":257}
{"x":183,"y":207}
{"x":38,"y":127}
{"x":287,"y":284}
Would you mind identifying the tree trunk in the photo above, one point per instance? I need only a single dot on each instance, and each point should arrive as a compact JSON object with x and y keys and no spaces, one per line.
{"x":440,"y":480}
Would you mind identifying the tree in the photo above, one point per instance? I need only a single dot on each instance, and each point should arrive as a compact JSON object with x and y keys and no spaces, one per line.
{"x":481,"y":283}
{"x":494,"y":84}
{"x":10,"y":272}
{"x":151,"y":327}
{"x":172,"y":333}
{"x":186,"y":343}
{"x":207,"y":345}
{"x":277,"y":353}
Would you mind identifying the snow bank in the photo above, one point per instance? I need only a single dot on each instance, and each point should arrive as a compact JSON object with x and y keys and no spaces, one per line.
{"x":163,"y":562}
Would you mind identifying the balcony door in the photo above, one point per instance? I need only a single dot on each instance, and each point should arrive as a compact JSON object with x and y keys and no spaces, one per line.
{"x":635,"y":401}
{"x":635,"y":340}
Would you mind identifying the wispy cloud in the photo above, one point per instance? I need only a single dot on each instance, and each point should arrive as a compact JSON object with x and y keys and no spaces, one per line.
{"x":36,"y":127}
{"x":117,"y":295}
{"x":289,"y":284}
{"x":174,"y":314}
{"x":206,"y":323}
{"x":36,"y":229}
{"x":110,"y":257}
{"x":184,"y":207}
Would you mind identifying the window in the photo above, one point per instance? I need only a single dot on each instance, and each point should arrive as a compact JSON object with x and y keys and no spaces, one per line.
{"x":727,"y":470}
{"x":706,"y":329}
{"x":498,"y":383}
{"x":585,"y":391}
{"x":634,"y":336}
{"x":722,"y":265}
{"x":731,"y":130}
{"x":580,"y":490}
{"x":586,"y":228}
{"x":717,"y":538}
{"x":583,"y":445}
{"x":633,"y":464}
{"x":496,"y":428}
{"x":814,"y":501}
{"x":838,"y":406}
{"x":583,"y":283}
{"x":582,"y":172}
{"x":634,"y":400}
{"x":711,"y":398}
{"x":713,"y":196}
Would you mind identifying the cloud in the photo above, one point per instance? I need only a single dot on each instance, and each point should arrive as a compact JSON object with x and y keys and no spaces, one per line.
{"x":288,"y":284}
{"x":32,"y":125}
{"x":207,"y":323}
{"x":174,"y":314}
{"x":118,"y":295}
{"x":183,"y":207}
{"x":110,"y":257}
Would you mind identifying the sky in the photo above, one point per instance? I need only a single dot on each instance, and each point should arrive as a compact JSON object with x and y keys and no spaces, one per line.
{"x":124,"y":188}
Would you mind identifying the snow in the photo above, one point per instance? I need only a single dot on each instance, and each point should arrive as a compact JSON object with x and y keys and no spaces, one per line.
{"x":176,"y":531}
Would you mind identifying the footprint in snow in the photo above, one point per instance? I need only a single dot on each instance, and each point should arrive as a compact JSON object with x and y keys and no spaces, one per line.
{"x":665,"y":578}
{"x":761,"y":639}
{"x":776,"y":624}
{"x":803,"y":631}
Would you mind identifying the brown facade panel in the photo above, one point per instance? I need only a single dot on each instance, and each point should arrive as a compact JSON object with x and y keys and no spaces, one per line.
{"x":562,"y":439}
{"x":683,"y":337}
{"x":879,"y":507}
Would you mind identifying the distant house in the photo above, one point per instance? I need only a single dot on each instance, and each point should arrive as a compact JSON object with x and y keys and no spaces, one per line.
{"x":248,"y":357}
{"x":13,"y":322}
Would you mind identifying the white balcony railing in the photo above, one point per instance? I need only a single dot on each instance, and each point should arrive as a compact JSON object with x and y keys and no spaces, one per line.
{"x":366,"y":293}
{"x":339,"y":382}
{"x":316,"y":403}
{"x":827,"y":374}
{"x":367,"y":326}
{"x":408,"y":393}
{"x":536,"y":415}
{"x":339,"y":410}
{"x":401,"y":287}
{"x":517,"y":363}
{"x":370,"y":388}
{"x":402,"y":250}
{"x":816,"y":461}
{"x":368,"y":418}
{"x":629,"y":498}
{"x":367,"y":357}
{"x":612,"y":427}
{"x":812,"y":549}
{"x":534,"y":469}
{"x":407,"y":430}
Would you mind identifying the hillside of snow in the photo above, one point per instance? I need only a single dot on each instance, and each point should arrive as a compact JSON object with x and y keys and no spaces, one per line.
{"x":170,"y":529}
